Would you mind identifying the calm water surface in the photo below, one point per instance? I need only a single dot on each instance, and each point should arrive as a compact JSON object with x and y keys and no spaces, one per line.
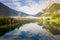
{"x":30,"y":31}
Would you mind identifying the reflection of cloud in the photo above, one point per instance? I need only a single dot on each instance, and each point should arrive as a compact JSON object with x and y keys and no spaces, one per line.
{"x":34,"y":32}
{"x":27,"y":35}
{"x":33,"y":28}
{"x":31,"y":31}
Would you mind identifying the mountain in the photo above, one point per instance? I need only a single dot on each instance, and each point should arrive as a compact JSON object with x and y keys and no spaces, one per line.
{"x":38,"y":14}
{"x":22,"y":14}
{"x":54,"y":9}
{"x":6,"y":11}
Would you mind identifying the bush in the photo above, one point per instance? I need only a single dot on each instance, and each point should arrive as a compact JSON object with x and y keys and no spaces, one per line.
{"x":6,"y":21}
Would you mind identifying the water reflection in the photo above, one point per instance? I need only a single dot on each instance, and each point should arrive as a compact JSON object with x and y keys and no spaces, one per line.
{"x":7,"y":29}
{"x":31,"y":31}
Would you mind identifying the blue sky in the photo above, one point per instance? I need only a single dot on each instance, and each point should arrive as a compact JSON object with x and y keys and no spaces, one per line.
{"x":28,"y":6}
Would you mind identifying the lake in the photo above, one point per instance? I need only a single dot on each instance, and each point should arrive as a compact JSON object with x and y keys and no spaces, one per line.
{"x":29,"y":31}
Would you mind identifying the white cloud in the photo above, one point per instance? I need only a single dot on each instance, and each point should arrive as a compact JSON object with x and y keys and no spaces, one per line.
{"x":57,"y":1}
{"x":34,"y":8}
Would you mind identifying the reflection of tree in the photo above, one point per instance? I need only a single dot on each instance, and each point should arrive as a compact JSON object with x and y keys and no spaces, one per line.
{"x":7,"y":24}
{"x":6,"y":29}
{"x":53,"y":23}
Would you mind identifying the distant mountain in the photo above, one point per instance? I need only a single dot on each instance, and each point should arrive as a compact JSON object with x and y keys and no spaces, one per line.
{"x":6,"y":11}
{"x":22,"y":14}
{"x":38,"y":14}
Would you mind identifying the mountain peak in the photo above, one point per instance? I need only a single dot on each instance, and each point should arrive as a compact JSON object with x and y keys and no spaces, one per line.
{"x":6,"y":11}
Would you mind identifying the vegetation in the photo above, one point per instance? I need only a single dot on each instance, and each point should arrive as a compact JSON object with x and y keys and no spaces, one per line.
{"x":6,"y":21}
{"x":27,"y":20}
{"x":7,"y":24}
{"x":52,"y":19}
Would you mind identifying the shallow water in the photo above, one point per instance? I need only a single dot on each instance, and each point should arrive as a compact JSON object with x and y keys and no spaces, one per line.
{"x":30,"y":31}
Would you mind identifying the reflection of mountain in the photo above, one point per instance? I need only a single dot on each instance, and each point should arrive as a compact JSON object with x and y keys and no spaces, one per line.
{"x":52,"y":17}
{"x":29,"y":31}
{"x":38,"y":14}
{"x":6,"y":11}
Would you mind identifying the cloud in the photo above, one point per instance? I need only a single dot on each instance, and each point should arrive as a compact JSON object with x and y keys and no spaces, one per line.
{"x":28,"y":6}
{"x":57,"y":1}
{"x":32,"y":6}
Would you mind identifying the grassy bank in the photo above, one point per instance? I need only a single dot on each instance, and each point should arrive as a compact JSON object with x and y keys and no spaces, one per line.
{"x":53,"y":25}
{"x":8,"y":24}
{"x":27,"y":20}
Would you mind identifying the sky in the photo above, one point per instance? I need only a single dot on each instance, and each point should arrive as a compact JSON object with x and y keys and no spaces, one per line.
{"x":31,"y":7}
